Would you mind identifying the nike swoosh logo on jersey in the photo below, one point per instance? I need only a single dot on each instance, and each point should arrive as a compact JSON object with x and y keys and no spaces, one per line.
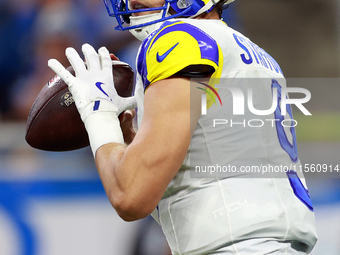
{"x":99,"y":86}
{"x":160,"y":58}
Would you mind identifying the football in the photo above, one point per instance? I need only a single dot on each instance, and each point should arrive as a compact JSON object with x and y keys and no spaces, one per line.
{"x":54,"y":123}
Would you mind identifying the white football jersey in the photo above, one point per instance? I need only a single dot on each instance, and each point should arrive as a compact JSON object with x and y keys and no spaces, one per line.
{"x":214,"y":200}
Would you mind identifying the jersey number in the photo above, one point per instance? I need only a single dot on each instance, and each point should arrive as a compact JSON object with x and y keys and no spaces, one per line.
{"x":291,"y":148}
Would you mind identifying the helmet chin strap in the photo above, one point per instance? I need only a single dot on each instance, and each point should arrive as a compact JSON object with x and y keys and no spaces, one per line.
{"x":142,"y":32}
{"x":205,"y":8}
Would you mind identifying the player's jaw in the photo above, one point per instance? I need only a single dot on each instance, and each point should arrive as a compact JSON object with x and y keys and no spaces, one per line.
{"x":144,"y":4}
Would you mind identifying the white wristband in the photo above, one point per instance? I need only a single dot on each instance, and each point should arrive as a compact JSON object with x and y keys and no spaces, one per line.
{"x":103,"y":128}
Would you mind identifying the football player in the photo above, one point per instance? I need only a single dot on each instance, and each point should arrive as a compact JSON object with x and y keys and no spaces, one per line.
{"x":229,"y":214}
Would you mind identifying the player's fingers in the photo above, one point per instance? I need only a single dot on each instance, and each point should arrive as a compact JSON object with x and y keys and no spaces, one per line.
{"x":91,"y":56}
{"x":131,"y":113}
{"x":113,"y":57}
{"x":76,"y":62}
{"x":118,"y":62}
{"x":105,"y":59}
{"x":59,"y":69}
{"x":126,"y":124}
{"x":127,"y":116}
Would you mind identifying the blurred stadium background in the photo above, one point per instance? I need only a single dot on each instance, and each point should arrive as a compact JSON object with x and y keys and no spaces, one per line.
{"x":53,"y":203}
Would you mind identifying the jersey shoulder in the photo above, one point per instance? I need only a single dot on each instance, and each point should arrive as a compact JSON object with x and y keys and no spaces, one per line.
{"x":173,"y":47}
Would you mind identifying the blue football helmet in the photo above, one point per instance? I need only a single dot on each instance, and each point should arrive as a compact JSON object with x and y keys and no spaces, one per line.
{"x":141,"y":26}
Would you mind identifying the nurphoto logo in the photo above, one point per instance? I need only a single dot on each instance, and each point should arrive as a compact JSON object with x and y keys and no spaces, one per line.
{"x":244,"y":97}
{"x":238,"y":100}
{"x":244,"y":103}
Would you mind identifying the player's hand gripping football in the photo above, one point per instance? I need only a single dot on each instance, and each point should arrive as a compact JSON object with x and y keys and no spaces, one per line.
{"x":94,"y":93}
{"x":92,"y":88}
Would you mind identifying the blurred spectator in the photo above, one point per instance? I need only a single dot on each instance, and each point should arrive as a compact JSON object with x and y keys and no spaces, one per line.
{"x":98,"y":27}
{"x":99,"y":30}
{"x":15,"y":42}
{"x":54,"y":30}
